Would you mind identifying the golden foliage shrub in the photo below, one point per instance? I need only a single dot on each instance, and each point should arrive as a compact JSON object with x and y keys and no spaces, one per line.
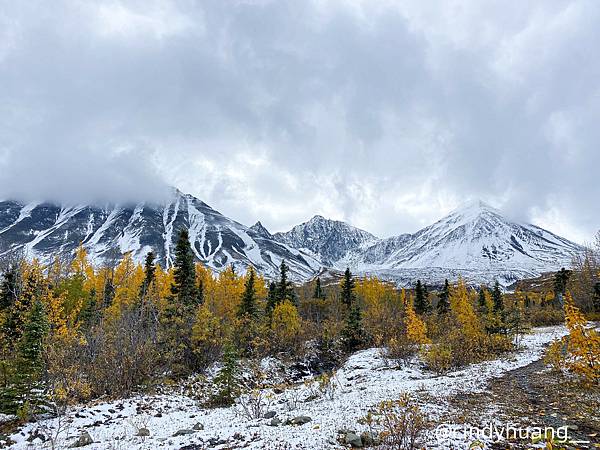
{"x":438,"y":357}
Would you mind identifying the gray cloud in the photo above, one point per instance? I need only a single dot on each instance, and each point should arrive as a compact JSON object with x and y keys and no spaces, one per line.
{"x":386,"y":114}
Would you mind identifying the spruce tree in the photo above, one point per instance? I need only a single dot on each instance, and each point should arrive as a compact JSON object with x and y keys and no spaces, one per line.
{"x":422,"y":304}
{"x":180,"y":312}
{"x":561,"y":279}
{"x":90,"y":313}
{"x":285,"y":290}
{"x":481,"y":298}
{"x":347,"y":288}
{"x":149,"y":273}
{"x":8,"y":287}
{"x":271,"y":299}
{"x":247,"y":306}
{"x":31,"y":344}
{"x":443,"y":305}
{"x":318,"y":294}
{"x":353,"y":334}
{"x":497,"y":298}
{"x":596,"y":297}
{"x":227,"y":380}
{"x":184,"y":273}
{"x":24,"y":395}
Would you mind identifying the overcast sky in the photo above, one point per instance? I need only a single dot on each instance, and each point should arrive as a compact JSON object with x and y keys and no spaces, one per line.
{"x":381,"y":113}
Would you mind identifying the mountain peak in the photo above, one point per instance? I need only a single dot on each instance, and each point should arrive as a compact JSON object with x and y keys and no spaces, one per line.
{"x":260,"y":229}
{"x":474,"y":208}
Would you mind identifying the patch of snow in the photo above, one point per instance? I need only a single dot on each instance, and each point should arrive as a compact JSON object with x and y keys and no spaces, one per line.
{"x":363,"y":381}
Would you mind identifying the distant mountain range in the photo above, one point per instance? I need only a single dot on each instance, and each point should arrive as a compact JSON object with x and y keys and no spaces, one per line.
{"x":475,"y":241}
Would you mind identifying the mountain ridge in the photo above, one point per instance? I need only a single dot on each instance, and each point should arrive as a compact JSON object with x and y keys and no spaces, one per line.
{"x":474,"y":239}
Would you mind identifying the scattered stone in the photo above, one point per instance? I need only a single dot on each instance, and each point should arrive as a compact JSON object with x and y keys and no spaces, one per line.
{"x":300,"y":420}
{"x":353,"y":440}
{"x":270,"y":414}
{"x":83,"y":440}
{"x":143,"y":432}
{"x":275,"y":421}
{"x":345,"y":431}
{"x":369,"y":439}
{"x":183,"y":432}
{"x":198,"y":427}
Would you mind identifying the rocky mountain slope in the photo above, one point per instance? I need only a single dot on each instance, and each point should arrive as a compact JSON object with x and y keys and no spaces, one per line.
{"x":475,"y":241}
{"x":45,"y":230}
{"x":329,"y":240}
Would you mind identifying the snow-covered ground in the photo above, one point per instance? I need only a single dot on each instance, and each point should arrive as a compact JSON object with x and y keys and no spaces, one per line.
{"x":365,"y":380}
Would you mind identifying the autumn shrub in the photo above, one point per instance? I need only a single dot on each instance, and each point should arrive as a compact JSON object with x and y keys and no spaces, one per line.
{"x":399,"y":348}
{"x":543,"y":317}
{"x":285,"y":327}
{"x":499,"y":343}
{"x":555,"y":355}
{"x":400,"y":423}
{"x":112,"y":358}
{"x":438,"y":357}
{"x":583,"y":344}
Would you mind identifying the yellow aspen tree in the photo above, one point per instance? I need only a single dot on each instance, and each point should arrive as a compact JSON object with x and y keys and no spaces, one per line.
{"x":55,"y":312}
{"x":80,"y":266}
{"x":583,"y":344}
{"x":128,"y":278}
{"x":416,"y":330}
{"x":228,"y":290}
{"x":285,"y":324}
{"x":463,"y":311}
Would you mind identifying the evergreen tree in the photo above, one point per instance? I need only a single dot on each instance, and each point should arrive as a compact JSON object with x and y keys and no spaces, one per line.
{"x":319,"y":294}
{"x":443,"y":305}
{"x":31,"y":344}
{"x":271,"y":298}
{"x":285,"y":289}
{"x":178,"y":316}
{"x":9,"y":287}
{"x":184,"y":273}
{"x":90,"y":313}
{"x":227,"y":380}
{"x":23,"y":394}
{"x":347,"y":288}
{"x":561,"y":279}
{"x":353,"y":334}
{"x":596,"y":297}
{"x":247,"y":306}
{"x":422,"y":304}
{"x":149,"y":273}
{"x":481,"y":298}
{"x":497,"y":297}
{"x":527,"y":301}
{"x":109,"y":292}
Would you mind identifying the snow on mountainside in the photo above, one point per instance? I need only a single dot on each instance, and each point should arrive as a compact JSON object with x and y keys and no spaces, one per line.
{"x":329,"y":240}
{"x":46,"y":230}
{"x":475,"y":240}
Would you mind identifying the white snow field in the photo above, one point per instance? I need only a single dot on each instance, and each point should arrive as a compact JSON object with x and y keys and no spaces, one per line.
{"x":364,"y":380}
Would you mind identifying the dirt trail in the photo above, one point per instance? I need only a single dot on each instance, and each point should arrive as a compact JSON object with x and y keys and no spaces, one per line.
{"x":533,"y":396}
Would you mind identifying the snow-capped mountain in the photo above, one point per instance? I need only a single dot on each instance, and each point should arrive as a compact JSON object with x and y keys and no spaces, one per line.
{"x":329,"y":240}
{"x":475,"y":240}
{"x":46,"y":230}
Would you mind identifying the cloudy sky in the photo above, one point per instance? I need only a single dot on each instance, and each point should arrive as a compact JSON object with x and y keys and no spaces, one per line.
{"x":386,"y":114}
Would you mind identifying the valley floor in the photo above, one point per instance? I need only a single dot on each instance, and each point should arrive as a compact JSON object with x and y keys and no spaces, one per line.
{"x":500,"y":390}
